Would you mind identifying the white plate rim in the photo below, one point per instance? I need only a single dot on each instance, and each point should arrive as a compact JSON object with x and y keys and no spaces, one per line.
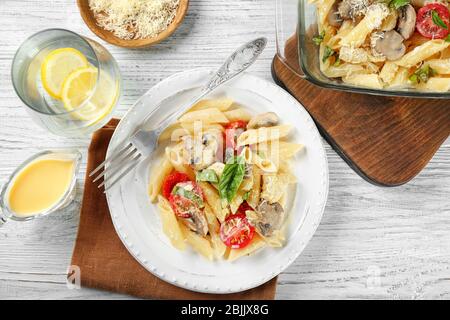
{"x":319,"y":208}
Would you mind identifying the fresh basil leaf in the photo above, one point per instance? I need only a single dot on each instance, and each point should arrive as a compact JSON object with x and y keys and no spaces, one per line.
{"x":327,"y":53}
{"x":437,"y":20}
{"x":189,"y":195}
{"x":207,"y":175}
{"x":231,"y":179}
{"x":319,"y":38}
{"x":397,"y":4}
{"x":447,"y":39}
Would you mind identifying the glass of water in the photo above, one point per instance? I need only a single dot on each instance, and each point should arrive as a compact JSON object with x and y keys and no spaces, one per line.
{"x":70,"y":84}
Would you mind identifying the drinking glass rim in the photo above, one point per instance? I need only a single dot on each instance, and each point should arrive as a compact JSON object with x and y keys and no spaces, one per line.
{"x":80,"y":38}
{"x":6,"y":211}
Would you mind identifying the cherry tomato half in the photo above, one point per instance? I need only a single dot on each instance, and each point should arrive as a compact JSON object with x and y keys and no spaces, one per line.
{"x":236,"y":124}
{"x":236,"y":232}
{"x":425,"y":24}
{"x":232,"y":131}
{"x":183,"y":207}
{"x":171,"y":180}
{"x":244,"y":207}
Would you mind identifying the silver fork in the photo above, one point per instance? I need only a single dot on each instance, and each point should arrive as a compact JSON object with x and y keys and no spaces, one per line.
{"x":143,"y":142}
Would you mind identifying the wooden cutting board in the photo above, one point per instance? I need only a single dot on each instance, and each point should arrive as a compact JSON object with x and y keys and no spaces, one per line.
{"x":386,"y":140}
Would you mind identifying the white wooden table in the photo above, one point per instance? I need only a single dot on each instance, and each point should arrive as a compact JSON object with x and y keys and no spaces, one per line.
{"x":373,"y":242}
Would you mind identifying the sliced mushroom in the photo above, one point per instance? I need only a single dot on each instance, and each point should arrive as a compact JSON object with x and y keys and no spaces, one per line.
{"x":334,"y":18}
{"x":418,"y":3}
{"x":344,"y":10}
{"x":353,"y":9}
{"x":202,"y":155}
{"x":197,"y":222}
{"x":406,"y":21}
{"x":268,"y":119}
{"x":269,"y":218}
{"x":390,"y":44}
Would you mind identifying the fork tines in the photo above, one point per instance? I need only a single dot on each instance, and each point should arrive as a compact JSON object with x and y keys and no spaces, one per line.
{"x":115,"y":167}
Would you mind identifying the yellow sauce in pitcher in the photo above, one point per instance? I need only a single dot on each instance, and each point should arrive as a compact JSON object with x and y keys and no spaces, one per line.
{"x":39,"y":186}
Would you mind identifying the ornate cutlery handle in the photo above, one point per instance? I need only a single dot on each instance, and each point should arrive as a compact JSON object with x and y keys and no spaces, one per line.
{"x":238,"y":62}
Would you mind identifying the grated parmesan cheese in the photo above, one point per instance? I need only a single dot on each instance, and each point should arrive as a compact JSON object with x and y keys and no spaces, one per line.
{"x":134,"y":19}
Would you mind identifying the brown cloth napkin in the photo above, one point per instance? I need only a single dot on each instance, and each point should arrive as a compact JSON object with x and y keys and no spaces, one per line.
{"x":103,"y":260}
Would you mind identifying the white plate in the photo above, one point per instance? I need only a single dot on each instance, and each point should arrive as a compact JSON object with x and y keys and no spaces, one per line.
{"x":137,"y":221}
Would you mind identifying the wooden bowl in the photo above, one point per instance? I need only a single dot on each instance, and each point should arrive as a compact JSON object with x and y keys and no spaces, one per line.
{"x":108,"y":36}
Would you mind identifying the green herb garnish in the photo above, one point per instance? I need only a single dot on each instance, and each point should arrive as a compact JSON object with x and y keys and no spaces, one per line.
{"x":319,"y":38}
{"x":207,"y":175}
{"x":422,"y":75}
{"x":447,"y":39}
{"x":188,"y":195}
{"x":328,"y":53}
{"x":397,"y":4}
{"x":437,"y":20}
{"x":246,"y":195}
{"x":337,"y":63}
{"x":231,"y":179}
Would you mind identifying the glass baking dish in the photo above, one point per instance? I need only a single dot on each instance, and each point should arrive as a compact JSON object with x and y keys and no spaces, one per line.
{"x":297,"y":20}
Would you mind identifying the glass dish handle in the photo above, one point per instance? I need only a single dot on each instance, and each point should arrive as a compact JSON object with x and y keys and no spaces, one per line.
{"x":286,"y":31}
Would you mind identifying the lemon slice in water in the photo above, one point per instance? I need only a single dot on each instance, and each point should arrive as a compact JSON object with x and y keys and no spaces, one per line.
{"x":79,"y":97}
{"x":57,"y":65}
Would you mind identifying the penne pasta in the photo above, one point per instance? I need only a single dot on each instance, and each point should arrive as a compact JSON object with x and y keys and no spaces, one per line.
{"x":220,"y":104}
{"x":256,"y":244}
{"x":238,"y":114}
{"x":388,"y":72}
{"x":276,"y":240}
{"x":156,"y":178}
{"x":422,"y":52}
{"x":274,"y":186}
{"x":214,"y":230}
{"x":237,"y":201}
{"x":367,"y":47}
{"x":279,"y":150}
{"x":195,"y":128}
{"x":198,"y":243}
{"x":435,"y":85}
{"x":260,"y":135}
{"x":173,"y":133}
{"x":373,"y":19}
{"x":178,"y":161}
{"x":366,"y":80}
{"x":265,"y":164}
{"x":212,"y":115}
{"x":170,"y":225}
{"x":343,"y":70}
{"x":253,"y":197}
{"x":400,"y":78}
{"x":441,"y":66}
{"x":205,"y":199}
{"x":214,"y":201}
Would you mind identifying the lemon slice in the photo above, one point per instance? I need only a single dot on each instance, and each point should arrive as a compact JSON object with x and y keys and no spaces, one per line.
{"x":79,"y":86}
{"x":57,"y":65}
